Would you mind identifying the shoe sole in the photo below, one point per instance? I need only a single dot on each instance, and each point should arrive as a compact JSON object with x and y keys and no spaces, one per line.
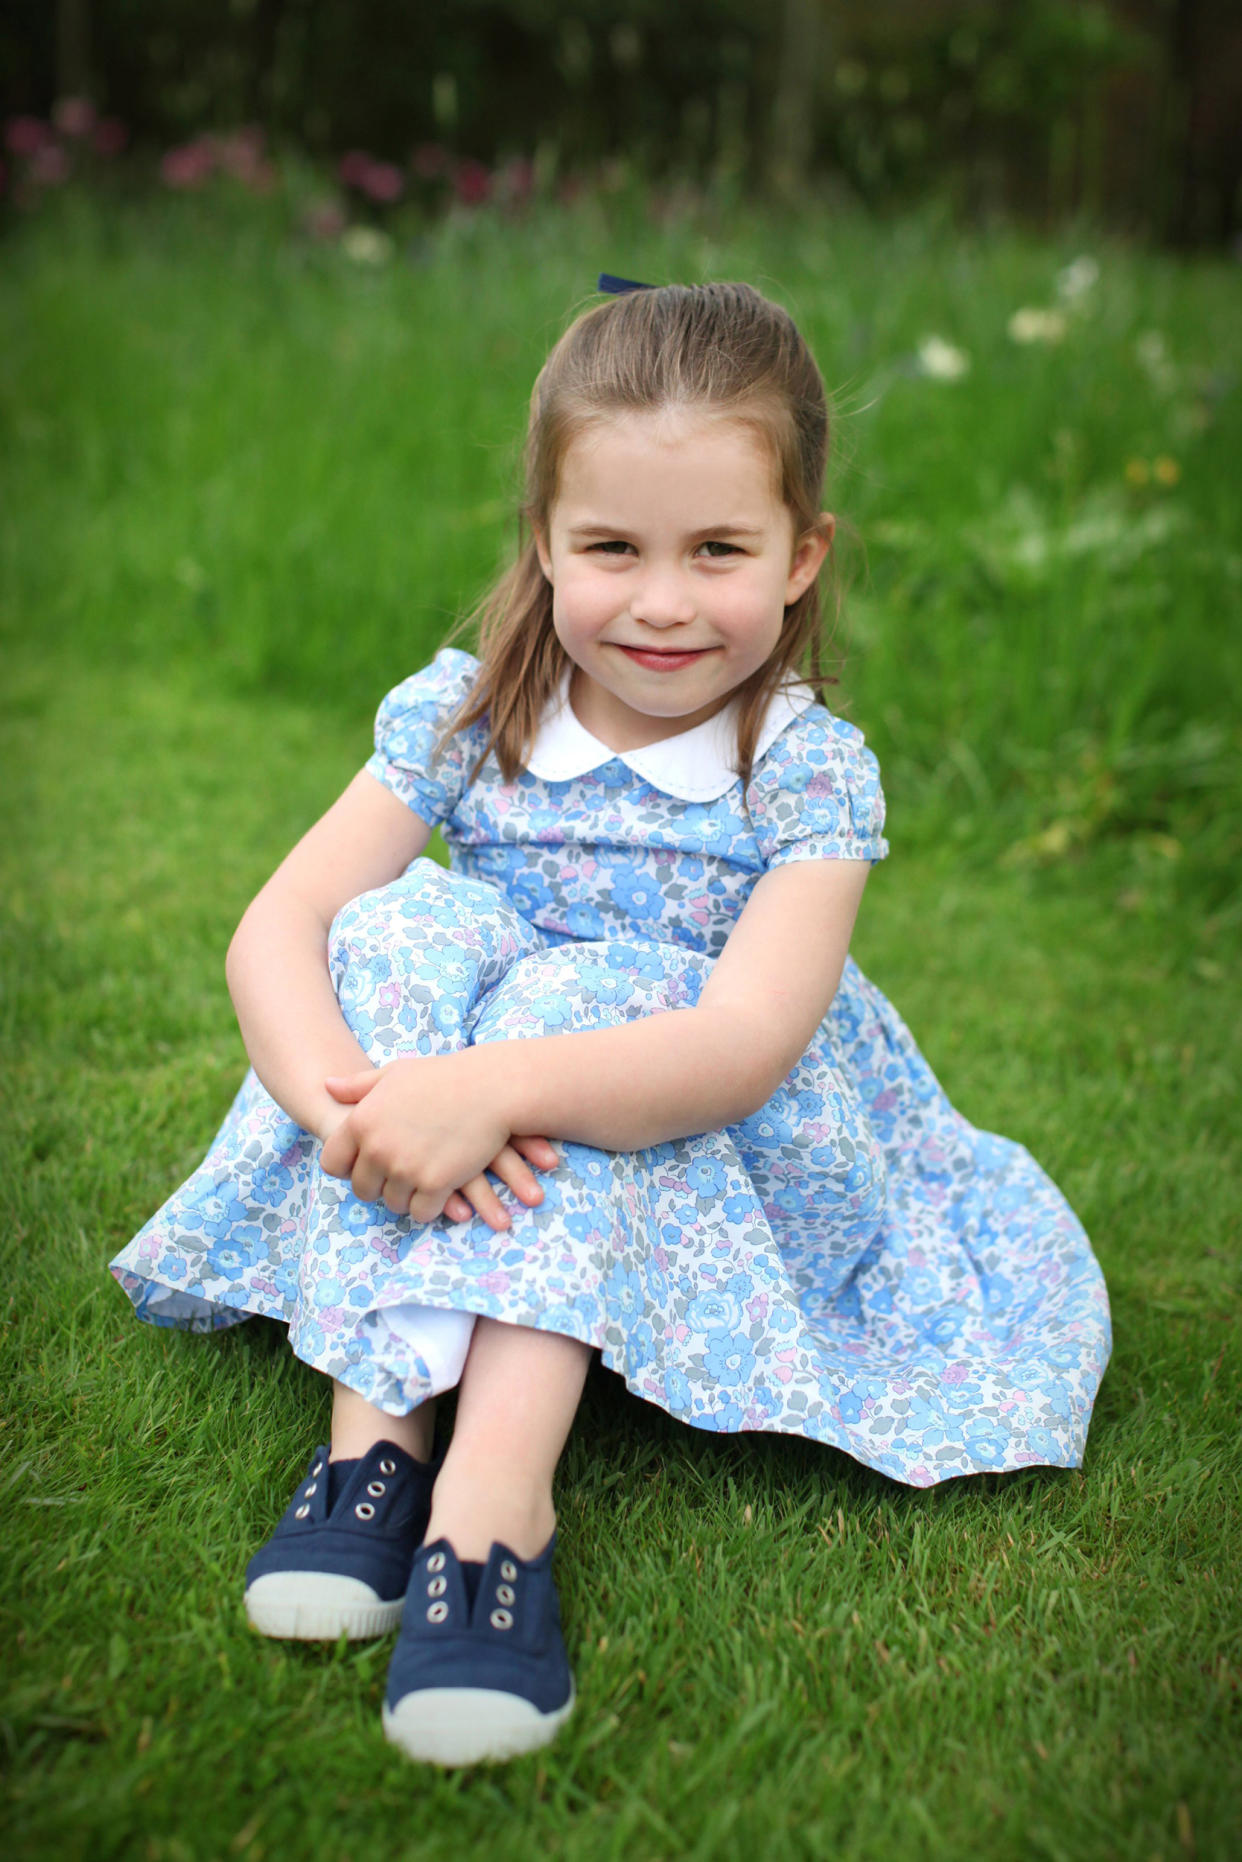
{"x":315,"y":1606}
{"x":470,"y":1725}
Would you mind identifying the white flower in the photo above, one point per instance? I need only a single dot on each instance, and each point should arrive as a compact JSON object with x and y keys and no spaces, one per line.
{"x":1152,"y":355}
{"x":366,"y":245}
{"x":1078,"y":279}
{"x":1030,"y":325}
{"x":942,"y":361}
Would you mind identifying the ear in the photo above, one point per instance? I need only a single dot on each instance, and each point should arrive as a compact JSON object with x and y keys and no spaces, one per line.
{"x":808,"y":557}
{"x":541,"y":550}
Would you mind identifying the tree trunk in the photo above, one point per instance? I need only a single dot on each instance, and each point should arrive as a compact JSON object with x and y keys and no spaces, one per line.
{"x":73,"y":48}
{"x":791,"y":134}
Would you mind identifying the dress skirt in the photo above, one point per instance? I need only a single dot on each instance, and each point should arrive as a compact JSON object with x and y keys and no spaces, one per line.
{"x":855,"y":1263}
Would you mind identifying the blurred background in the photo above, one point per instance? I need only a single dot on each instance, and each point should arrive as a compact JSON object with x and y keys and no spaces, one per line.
{"x":278,"y":275}
{"x":1130,"y":110}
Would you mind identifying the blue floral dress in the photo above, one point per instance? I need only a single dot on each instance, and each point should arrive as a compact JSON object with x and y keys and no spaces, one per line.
{"x":854,"y":1263}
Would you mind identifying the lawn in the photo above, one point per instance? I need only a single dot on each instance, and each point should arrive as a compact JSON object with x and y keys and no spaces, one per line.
{"x":248,"y":483}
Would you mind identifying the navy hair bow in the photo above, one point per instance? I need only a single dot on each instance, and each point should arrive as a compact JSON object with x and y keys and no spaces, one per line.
{"x":617,"y":287}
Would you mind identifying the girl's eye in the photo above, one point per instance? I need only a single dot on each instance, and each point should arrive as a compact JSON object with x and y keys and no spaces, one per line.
{"x":614,"y":546}
{"x":715,"y":547}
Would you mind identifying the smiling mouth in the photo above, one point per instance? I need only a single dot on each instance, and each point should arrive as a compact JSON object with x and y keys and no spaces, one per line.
{"x":661,"y":659}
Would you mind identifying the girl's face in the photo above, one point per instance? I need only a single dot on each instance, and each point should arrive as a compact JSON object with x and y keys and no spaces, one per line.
{"x":672,"y":560}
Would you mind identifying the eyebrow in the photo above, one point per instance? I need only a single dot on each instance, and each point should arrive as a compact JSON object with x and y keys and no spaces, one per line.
{"x":696,"y":536}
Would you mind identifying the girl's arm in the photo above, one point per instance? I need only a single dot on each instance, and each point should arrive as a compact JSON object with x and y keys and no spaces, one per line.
{"x":286,"y":1006}
{"x":422,"y":1123}
{"x":277,"y":965}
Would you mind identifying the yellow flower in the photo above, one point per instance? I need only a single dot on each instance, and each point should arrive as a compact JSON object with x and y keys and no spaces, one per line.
{"x":1137,"y":472}
{"x":1165,"y":470}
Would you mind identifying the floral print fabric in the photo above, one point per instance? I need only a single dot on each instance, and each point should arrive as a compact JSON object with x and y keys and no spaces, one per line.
{"x":854,"y":1263}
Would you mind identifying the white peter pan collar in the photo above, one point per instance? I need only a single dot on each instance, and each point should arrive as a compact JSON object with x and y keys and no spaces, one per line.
{"x":698,"y":765}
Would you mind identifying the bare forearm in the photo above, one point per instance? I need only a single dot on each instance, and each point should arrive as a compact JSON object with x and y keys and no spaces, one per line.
{"x":287,"y":1010}
{"x":623,"y":1089}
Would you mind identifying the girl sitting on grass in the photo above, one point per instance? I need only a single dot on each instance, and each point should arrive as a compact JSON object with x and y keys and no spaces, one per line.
{"x":760,"y":1207}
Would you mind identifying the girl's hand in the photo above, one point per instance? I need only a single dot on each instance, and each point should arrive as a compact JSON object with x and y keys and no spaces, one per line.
{"x":420,"y":1137}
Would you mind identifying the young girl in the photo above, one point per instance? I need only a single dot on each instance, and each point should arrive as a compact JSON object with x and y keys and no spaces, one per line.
{"x":759,"y":1206}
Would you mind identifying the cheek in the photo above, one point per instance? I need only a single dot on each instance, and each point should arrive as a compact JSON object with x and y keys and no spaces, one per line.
{"x":584,"y":600}
{"x":751,"y":604}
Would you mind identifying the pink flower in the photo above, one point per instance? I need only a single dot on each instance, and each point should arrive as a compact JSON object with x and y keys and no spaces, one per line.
{"x":429,"y":161}
{"x":472,"y":183}
{"x":241,"y":155}
{"x":324,"y":221}
{"x":190,"y":165}
{"x":352,"y":166}
{"x":381,"y":181}
{"x":49,"y":166}
{"x":515,"y":182}
{"x":74,"y":116}
{"x":26,"y":135}
{"x":384,"y":181}
{"x":110,"y":136}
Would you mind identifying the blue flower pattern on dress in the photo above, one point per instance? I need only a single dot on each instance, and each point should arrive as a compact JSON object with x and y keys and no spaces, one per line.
{"x":854,"y":1263}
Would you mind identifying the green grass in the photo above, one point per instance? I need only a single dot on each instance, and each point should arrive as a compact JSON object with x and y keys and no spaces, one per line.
{"x":237,"y":473}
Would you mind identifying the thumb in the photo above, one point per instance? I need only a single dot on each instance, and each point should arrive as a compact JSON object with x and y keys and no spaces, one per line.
{"x":349,"y":1088}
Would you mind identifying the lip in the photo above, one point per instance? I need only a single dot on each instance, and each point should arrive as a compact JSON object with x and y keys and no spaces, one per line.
{"x":656,"y":659}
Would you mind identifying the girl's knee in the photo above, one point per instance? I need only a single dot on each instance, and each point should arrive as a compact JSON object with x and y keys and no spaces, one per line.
{"x":428,"y":907}
{"x":581,"y":986}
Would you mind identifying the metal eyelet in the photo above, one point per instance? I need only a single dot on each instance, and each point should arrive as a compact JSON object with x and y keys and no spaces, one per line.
{"x":437,"y":1587}
{"x":376,"y":1488}
{"x":501,"y":1619}
{"x":504,"y":1593}
{"x":365,"y":1510}
{"x":436,"y":1562}
{"x":313,"y":1488}
{"x":508,"y":1570}
{"x":388,"y":1467}
{"x":301,"y":1512}
{"x":437,"y":1612}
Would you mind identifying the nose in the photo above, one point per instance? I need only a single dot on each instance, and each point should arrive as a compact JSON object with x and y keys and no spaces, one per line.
{"x":664,"y":599}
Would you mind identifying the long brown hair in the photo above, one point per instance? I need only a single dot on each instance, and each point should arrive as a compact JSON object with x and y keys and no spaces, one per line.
{"x":721,"y":347}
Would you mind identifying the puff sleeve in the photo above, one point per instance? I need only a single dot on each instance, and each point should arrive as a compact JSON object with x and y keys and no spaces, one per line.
{"x":409,"y":760}
{"x":816,"y":795}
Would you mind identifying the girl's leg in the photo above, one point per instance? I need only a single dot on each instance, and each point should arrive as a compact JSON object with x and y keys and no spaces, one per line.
{"x":518,"y":1397}
{"x":357,"y":1426}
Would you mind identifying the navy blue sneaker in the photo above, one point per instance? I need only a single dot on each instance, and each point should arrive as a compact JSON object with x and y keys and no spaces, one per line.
{"x":339,"y":1561}
{"x":480,"y":1670}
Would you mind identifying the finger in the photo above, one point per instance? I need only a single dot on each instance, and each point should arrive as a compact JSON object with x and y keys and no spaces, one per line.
{"x":339,"y":1153}
{"x":457,"y":1209}
{"x":513,"y":1171}
{"x":426,"y":1205}
{"x":480,"y":1193}
{"x":537,"y":1151}
{"x":349,"y":1088}
{"x":366,"y":1180}
{"x":397,"y":1194}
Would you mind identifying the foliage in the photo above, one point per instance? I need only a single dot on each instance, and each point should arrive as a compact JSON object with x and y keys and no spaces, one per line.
{"x":292,"y":452}
{"x":1110,"y":106}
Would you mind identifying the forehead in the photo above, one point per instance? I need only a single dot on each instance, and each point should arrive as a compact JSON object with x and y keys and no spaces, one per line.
{"x":691,"y":454}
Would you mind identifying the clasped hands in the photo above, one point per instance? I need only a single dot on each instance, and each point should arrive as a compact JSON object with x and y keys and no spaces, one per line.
{"x":420,"y":1133}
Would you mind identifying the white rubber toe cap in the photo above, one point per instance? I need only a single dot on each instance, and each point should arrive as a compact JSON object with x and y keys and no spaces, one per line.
{"x":317,"y":1606}
{"x":470,"y":1725}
